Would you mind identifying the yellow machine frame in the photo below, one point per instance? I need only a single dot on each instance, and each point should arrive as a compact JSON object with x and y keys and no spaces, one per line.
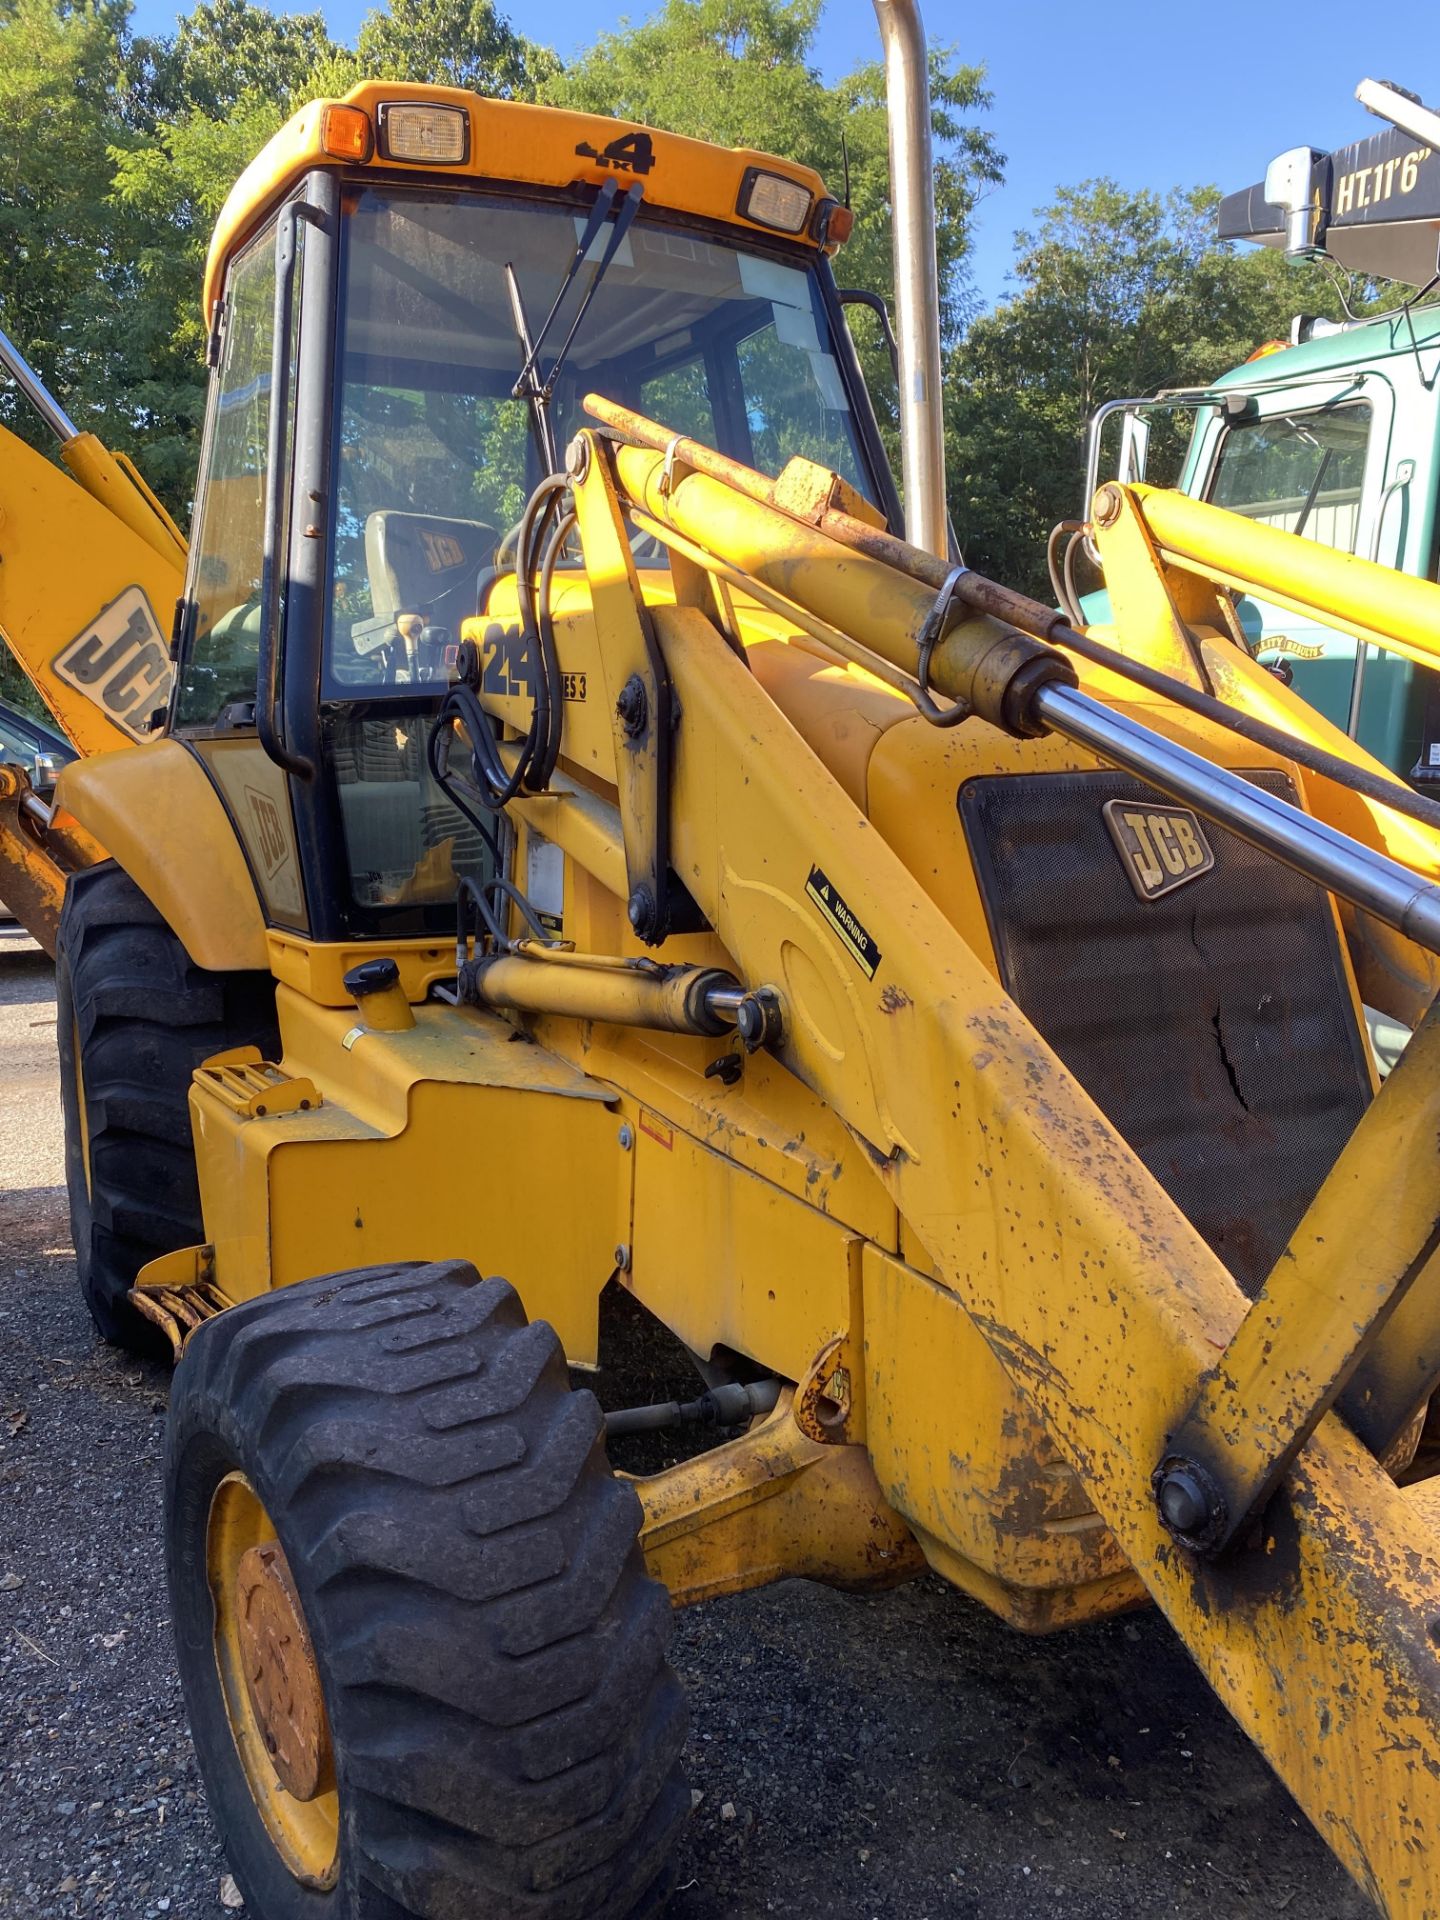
{"x":909,"y":1192}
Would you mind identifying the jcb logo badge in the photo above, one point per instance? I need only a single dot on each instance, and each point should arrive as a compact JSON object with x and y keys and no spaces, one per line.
{"x":270,"y":839}
{"x":442,"y":551}
{"x":120,"y":662}
{"x":1162,"y":847}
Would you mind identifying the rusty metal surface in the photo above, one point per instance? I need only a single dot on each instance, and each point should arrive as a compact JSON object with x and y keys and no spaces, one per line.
{"x":179,"y":1310}
{"x":281,"y":1676}
{"x":772,"y":1504}
{"x":1322,"y":1307}
{"x":32,"y":883}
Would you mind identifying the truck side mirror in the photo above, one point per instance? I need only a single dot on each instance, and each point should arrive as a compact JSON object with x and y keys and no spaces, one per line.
{"x":1134,"y":447}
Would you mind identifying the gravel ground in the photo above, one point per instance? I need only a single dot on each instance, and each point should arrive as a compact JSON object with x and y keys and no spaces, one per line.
{"x":900,"y":1756}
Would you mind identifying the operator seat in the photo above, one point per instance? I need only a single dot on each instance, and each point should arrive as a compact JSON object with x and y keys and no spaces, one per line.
{"x":428,"y":564}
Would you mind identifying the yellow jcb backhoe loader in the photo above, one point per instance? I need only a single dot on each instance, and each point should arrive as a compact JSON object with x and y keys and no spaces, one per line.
{"x":590,"y":844}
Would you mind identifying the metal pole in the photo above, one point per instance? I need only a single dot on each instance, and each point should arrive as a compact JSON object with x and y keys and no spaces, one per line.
{"x":917,"y":279}
{"x":35,"y":391}
{"x":1393,"y":893}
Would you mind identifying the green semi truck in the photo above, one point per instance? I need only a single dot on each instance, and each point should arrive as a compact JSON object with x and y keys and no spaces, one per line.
{"x":1336,"y":435}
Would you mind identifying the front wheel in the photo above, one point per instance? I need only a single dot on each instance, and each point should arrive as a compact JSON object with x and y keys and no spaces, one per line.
{"x":424,"y":1664}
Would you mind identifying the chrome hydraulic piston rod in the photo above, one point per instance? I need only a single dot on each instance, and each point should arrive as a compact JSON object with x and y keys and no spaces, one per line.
{"x":36,"y":391}
{"x":1392,"y":892}
{"x":882,"y":597}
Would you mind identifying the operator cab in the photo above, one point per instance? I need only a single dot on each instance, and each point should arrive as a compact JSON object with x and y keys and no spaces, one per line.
{"x":432,"y":343}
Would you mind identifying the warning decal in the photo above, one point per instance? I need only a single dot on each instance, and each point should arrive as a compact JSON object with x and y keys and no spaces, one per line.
{"x":854,"y":935}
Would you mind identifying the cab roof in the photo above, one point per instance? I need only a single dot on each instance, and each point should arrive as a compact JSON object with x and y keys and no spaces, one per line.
{"x":508,"y":141}
{"x":1377,"y":339}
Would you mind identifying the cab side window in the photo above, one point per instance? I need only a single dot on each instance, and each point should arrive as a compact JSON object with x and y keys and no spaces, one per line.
{"x":221,"y":660}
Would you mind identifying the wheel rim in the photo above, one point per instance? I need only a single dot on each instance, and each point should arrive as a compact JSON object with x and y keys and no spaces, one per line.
{"x":270,"y":1684}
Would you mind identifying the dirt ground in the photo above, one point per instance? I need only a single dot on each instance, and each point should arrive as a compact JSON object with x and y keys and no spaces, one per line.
{"x":901,"y":1756}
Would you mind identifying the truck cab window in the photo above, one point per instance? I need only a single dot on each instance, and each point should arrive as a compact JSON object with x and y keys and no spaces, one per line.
{"x":1302,"y":472}
{"x":436,"y":458}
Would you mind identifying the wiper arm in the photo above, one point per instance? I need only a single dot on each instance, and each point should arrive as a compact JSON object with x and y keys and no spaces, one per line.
{"x":539,"y":404}
{"x":528,"y":386}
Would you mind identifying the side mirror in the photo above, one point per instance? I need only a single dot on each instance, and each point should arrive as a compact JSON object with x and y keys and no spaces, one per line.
{"x":862,"y":297}
{"x":1134,"y":447}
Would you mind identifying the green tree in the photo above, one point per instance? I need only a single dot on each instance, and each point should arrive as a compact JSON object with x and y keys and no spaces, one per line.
{"x":116,"y":154}
{"x":742,"y":73}
{"x":452,"y":43}
{"x":227,"y":51}
{"x":62,"y":263}
{"x":1118,"y":294}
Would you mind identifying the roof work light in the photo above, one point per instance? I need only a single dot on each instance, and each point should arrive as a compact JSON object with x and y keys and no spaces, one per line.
{"x":415,"y":130}
{"x":770,"y":200}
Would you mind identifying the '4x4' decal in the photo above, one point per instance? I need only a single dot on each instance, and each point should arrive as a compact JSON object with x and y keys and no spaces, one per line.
{"x":631,"y":153}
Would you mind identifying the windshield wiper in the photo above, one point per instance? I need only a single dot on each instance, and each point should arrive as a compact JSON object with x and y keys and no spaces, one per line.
{"x":539,"y":407}
{"x":1314,"y":493}
{"x":529,"y":386}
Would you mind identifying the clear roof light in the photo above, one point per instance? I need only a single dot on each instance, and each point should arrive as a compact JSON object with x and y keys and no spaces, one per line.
{"x":770,"y":200}
{"x":435,"y":136}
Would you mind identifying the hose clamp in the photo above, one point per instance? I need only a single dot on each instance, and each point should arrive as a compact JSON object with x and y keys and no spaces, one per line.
{"x":667,"y":471}
{"x":933,"y":631}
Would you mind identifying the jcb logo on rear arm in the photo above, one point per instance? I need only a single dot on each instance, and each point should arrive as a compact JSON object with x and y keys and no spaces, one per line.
{"x":121,"y":662}
{"x":1161,"y":847}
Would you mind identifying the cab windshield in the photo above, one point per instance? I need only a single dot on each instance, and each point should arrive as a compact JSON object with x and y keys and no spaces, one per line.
{"x":1302,"y":472}
{"x":435,"y":458}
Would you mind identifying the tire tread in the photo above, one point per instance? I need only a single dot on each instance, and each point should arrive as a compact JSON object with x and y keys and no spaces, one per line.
{"x":507,"y":1725}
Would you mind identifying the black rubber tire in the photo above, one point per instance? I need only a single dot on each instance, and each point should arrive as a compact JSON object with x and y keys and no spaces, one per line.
{"x":492,"y":1652}
{"x":145,"y":1016}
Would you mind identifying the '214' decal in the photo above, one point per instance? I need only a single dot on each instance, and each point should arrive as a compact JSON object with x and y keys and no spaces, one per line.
{"x":506,"y":668}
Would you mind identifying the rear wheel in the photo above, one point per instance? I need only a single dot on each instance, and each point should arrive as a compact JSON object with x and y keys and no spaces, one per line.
{"x":424,"y":1664}
{"x":134,"y":1017}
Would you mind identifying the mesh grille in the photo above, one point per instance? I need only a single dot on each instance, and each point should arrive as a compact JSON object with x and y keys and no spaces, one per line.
{"x":1213,"y":1026}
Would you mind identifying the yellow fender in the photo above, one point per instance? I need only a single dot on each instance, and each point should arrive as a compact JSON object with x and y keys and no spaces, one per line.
{"x":156,"y":813}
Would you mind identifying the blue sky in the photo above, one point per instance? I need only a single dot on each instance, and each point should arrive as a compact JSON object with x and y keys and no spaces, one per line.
{"x":1154,"y":94}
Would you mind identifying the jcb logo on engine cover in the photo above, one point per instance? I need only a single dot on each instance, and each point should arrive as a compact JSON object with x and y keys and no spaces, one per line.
{"x":1162,"y":847}
{"x":121,"y":662}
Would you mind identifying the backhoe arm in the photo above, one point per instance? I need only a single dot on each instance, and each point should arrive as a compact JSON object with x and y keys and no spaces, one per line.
{"x":90,"y":568}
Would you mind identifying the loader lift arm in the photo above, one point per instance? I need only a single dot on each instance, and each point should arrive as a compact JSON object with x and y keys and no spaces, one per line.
{"x":1098,"y":1299}
{"x":730,"y":1020}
